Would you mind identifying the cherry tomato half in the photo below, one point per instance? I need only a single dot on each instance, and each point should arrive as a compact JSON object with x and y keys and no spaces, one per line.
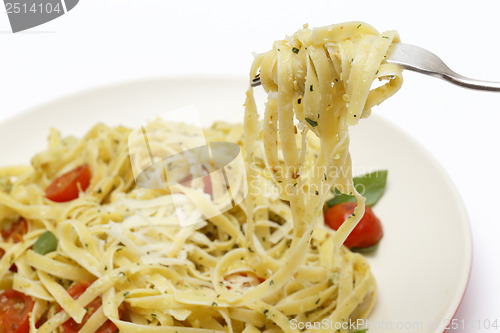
{"x":207,"y":182}
{"x":65,"y":187}
{"x":15,"y":233}
{"x":70,"y":326}
{"x":15,"y":308}
{"x":366,"y":234}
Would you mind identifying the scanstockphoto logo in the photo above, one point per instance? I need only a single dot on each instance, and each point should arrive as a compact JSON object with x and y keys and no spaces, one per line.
{"x":204,"y":178}
{"x":26,"y":14}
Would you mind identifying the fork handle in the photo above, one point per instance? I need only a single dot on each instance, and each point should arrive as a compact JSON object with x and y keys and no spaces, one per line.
{"x":466,"y":82}
{"x":420,"y":60}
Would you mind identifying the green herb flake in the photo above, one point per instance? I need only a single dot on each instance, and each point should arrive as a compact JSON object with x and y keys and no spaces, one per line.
{"x":311,"y":87}
{"x":317,"y":301}
{"x":359,"y":26}
{"x":125,"y":294}
{"x":214,"y":304}
{"x":311,"y":122}
{"x":46,"y":243}
{"x":271,"y":283}
{"x":295,"y":50}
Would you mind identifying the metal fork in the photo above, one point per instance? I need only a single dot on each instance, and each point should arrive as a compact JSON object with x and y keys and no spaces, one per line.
{"x":420,"y":60}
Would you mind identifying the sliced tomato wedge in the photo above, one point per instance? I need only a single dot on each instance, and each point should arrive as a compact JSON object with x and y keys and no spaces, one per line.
{"x":15,"y":308}
{"x":207,"y":182}
{"x":65,"y":187}
{"x":71,"y":326}
{"x":108,"y":327}
{"x":365,"y":235}
{"x":15,"y":233}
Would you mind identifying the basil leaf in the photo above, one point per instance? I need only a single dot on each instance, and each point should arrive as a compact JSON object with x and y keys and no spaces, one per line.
{"x":371,"y":186}
{"x":360,"y":331}
{"x":46,"y":243}
{"x":340,"y":198}
{"x":366,"y":249}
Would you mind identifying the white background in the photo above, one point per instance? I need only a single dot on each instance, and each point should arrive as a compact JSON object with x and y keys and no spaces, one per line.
{"x":108,"y":41}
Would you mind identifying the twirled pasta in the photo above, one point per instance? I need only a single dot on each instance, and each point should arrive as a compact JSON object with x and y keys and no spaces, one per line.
{"x":318,"y":81}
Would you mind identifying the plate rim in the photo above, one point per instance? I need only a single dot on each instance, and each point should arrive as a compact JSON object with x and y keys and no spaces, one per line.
{"x":468,"y":246}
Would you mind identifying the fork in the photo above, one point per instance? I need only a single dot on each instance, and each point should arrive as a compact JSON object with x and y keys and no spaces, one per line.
{"x":420,"y":60}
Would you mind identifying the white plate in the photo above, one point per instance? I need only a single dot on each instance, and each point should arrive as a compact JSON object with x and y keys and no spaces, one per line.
{"x":423,"y":262}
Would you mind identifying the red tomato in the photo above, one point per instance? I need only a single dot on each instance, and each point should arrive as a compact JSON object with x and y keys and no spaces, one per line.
{"x":70,"y":326}
{"x":207,"y":182}
{"x":16,"y":231}
{"x":107,"y":327}
{"x":366,"y":234}
{"x":15,"y":308}
{"x":65,"y":187}
{"x":13,"y":267}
